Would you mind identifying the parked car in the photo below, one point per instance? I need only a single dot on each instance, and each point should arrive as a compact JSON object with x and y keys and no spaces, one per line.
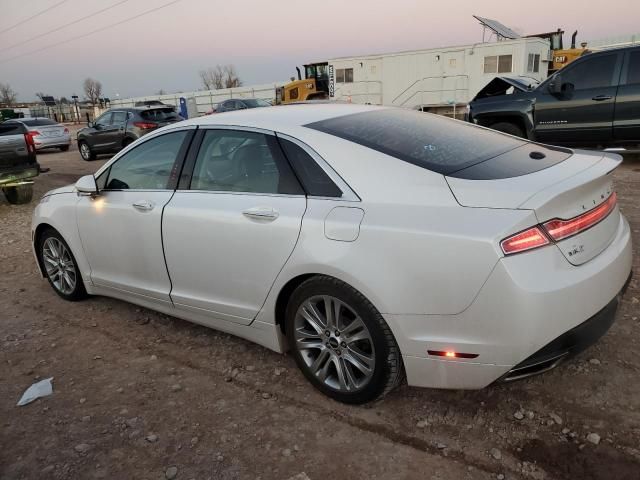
{"x":240,"y":104}
{"x":594,"y":101}
{"x":46,"y":133}
{"x":18,"y":164}
{"x":368,"y":241}
{"x":118,"y":127}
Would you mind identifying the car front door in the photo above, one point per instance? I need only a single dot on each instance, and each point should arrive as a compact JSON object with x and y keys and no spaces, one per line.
{"x":232,"y":225}
{"x":99,"y":136}
{"x":120,"y":228}
{"x":582,"y":111}
{"x":118,"y":128}
{"x":626,"y":125}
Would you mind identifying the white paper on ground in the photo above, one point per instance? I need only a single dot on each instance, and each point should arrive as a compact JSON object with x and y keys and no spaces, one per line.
{"x":35,"y":391}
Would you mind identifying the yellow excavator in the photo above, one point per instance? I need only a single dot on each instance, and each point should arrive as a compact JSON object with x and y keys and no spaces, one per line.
{"x":561,"y":57}
{"x":314,"y":86}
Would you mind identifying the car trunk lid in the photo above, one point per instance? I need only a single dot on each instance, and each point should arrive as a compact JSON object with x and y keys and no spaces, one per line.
{"x":565,"y":190}
{"x":49,"y":131}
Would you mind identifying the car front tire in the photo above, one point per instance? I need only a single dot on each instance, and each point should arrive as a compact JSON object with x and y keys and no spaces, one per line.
{"x":341,"y":342}
{"x":60,"y":266}
{"x":85,"y":151}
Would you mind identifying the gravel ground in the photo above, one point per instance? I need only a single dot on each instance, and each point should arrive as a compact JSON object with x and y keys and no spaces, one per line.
{"x":141,"y":395}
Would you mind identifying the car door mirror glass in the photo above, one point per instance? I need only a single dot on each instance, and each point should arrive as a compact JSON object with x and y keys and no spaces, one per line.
{"x":87,"y":185}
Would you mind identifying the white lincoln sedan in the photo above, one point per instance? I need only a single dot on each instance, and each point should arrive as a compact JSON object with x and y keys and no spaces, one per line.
{"x":372,"y":243}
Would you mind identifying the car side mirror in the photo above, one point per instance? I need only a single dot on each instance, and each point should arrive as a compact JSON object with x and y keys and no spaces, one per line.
{"x":87,"y":185}
{"x":555,"y":86}
{"x":90,"y":124}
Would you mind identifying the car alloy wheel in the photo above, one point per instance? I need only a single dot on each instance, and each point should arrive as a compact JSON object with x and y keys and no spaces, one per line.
{"x":334,"y":343}
{"x":59,"y":266}
{"x":85,"y":151}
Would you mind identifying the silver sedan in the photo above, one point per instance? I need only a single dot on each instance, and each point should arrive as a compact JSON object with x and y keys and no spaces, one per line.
{"x":46,"y":133}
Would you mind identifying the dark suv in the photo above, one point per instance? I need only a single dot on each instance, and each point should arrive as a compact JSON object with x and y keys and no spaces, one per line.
{"x":594,"y":101}
{"x":118,"y":127}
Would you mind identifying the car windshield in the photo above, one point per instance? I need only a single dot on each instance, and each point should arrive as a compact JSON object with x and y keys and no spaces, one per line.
{"x":429,"y":141}
{"x":38,"y":122}
{"x":255,"y":102}
{"x":160,"y":114}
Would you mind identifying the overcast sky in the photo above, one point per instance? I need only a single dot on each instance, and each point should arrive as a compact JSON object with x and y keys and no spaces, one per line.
{"x":264,"y":39}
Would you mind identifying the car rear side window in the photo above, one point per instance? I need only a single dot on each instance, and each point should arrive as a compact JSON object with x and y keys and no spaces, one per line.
{"x":313,"y":178}
{"x":429,"y":141}
{"x":159,"y":114}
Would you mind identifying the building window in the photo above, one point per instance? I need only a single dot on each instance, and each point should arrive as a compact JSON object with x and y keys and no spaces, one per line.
{"x":498,"y":64}
{"x":344,"y":75}
{"x":533,"y":64}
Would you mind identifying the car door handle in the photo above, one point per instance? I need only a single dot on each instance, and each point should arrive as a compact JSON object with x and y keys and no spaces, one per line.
{"x":144,"y":205}
{"x":600,"y":98}
{"x":261,"y":213}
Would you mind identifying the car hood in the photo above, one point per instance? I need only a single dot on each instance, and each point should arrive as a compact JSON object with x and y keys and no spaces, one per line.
{"x":66,"y":189}
{"x":500,"y":85}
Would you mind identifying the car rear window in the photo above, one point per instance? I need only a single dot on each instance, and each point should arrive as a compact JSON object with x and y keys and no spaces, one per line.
{"x":434,"y":142}
{"x":38,"y":122}
{"x":160,"y":114}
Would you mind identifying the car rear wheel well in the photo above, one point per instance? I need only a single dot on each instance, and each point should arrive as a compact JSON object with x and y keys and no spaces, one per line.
{"x":517,"y":122}
{"x":284,"y":296}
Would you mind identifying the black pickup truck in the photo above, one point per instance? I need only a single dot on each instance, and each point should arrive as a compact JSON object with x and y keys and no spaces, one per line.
{"x":18,"y":164}
{"x":592,"y":102}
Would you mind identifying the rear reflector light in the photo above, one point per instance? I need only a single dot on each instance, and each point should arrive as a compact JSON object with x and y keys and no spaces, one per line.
{"x":145,"y":125}
{"x":66,"y":130}
{"x":559,"y":229}
{"x":523,"y":241}
{"x":28,"y":139}
{"x":451,"y":354}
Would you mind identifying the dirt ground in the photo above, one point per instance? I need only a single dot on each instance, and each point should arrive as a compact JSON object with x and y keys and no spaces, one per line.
{"x":144,"y":396}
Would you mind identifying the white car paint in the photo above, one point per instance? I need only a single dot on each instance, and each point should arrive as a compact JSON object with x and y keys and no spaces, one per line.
{"x":400,"y":235}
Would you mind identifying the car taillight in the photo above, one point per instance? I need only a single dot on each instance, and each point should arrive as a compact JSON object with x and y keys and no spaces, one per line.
{"x":529,"y":239}
{"x":66,"y":130}
{"x":559,"y":229}
{"x":145,"y":125}
{"x":31,"y":145}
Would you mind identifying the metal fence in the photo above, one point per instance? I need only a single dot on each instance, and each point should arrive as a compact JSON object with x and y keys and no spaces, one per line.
{"x":65,"y":112}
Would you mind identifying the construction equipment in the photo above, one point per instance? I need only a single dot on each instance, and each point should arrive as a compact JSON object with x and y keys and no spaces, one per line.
{"x":560,"y":56}
{"x":315,"y":85}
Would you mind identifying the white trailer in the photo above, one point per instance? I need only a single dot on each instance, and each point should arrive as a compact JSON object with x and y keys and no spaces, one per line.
{"x":435,"y":79}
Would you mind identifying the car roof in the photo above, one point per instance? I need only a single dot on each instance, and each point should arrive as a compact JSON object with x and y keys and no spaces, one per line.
{"x":281,"y":117}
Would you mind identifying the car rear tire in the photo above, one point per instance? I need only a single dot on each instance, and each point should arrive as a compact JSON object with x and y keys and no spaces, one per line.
{"x":508,"y":127}
{"x":65,"y":148}
{"x":85,"y":151}
{"x":60,"y":266}
{"x":18,"y":195}
{"x":341,"y":342}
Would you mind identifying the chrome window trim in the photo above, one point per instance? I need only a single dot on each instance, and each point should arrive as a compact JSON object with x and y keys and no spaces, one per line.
{"x":228,"y":192}
{"x":347,"y":192}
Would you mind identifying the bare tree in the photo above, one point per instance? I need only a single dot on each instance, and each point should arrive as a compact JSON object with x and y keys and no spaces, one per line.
{"x":220,"y":76}
{"x":7,"y":94}
{"x":231,"y":78}
{"x":92,"y":90}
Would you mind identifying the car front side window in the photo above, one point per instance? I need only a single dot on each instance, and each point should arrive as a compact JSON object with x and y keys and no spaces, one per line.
{"x":148,"y":166}
{"x":242,"y":161}
{"x":104,"y":120}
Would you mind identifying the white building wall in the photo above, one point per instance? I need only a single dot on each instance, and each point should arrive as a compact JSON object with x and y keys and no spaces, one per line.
{"x":434,"y":77}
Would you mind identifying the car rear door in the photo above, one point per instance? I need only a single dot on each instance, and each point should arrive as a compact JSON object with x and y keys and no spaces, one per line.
{"x":626,"y":125}
{"x":582,"y":113}
{"x":120,"y":228}
{"x":231,"y":225}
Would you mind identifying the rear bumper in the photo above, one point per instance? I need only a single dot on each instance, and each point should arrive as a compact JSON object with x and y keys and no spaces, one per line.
{"x":569,"y":343}
{"x":52,"y":142}
{"x":533,"y":306}
{"x":18,"y":174}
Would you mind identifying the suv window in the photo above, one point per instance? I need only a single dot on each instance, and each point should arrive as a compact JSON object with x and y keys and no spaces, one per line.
{"x":429,"y":141}
{"x":238,"y":161}
{"x":119,"y":118}
{"x":595,"y":72}
{"x":160,"y":114}
{"x":104,"y":120}
{"x":314,"y":179}
{"x":633,"y":70}
{"x":148,"y":166}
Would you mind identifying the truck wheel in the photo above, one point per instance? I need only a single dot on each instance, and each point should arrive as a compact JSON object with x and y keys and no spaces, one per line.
{"x":508,"y":127}
{"x":18,"y":195}
{"x":85,"y":151}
